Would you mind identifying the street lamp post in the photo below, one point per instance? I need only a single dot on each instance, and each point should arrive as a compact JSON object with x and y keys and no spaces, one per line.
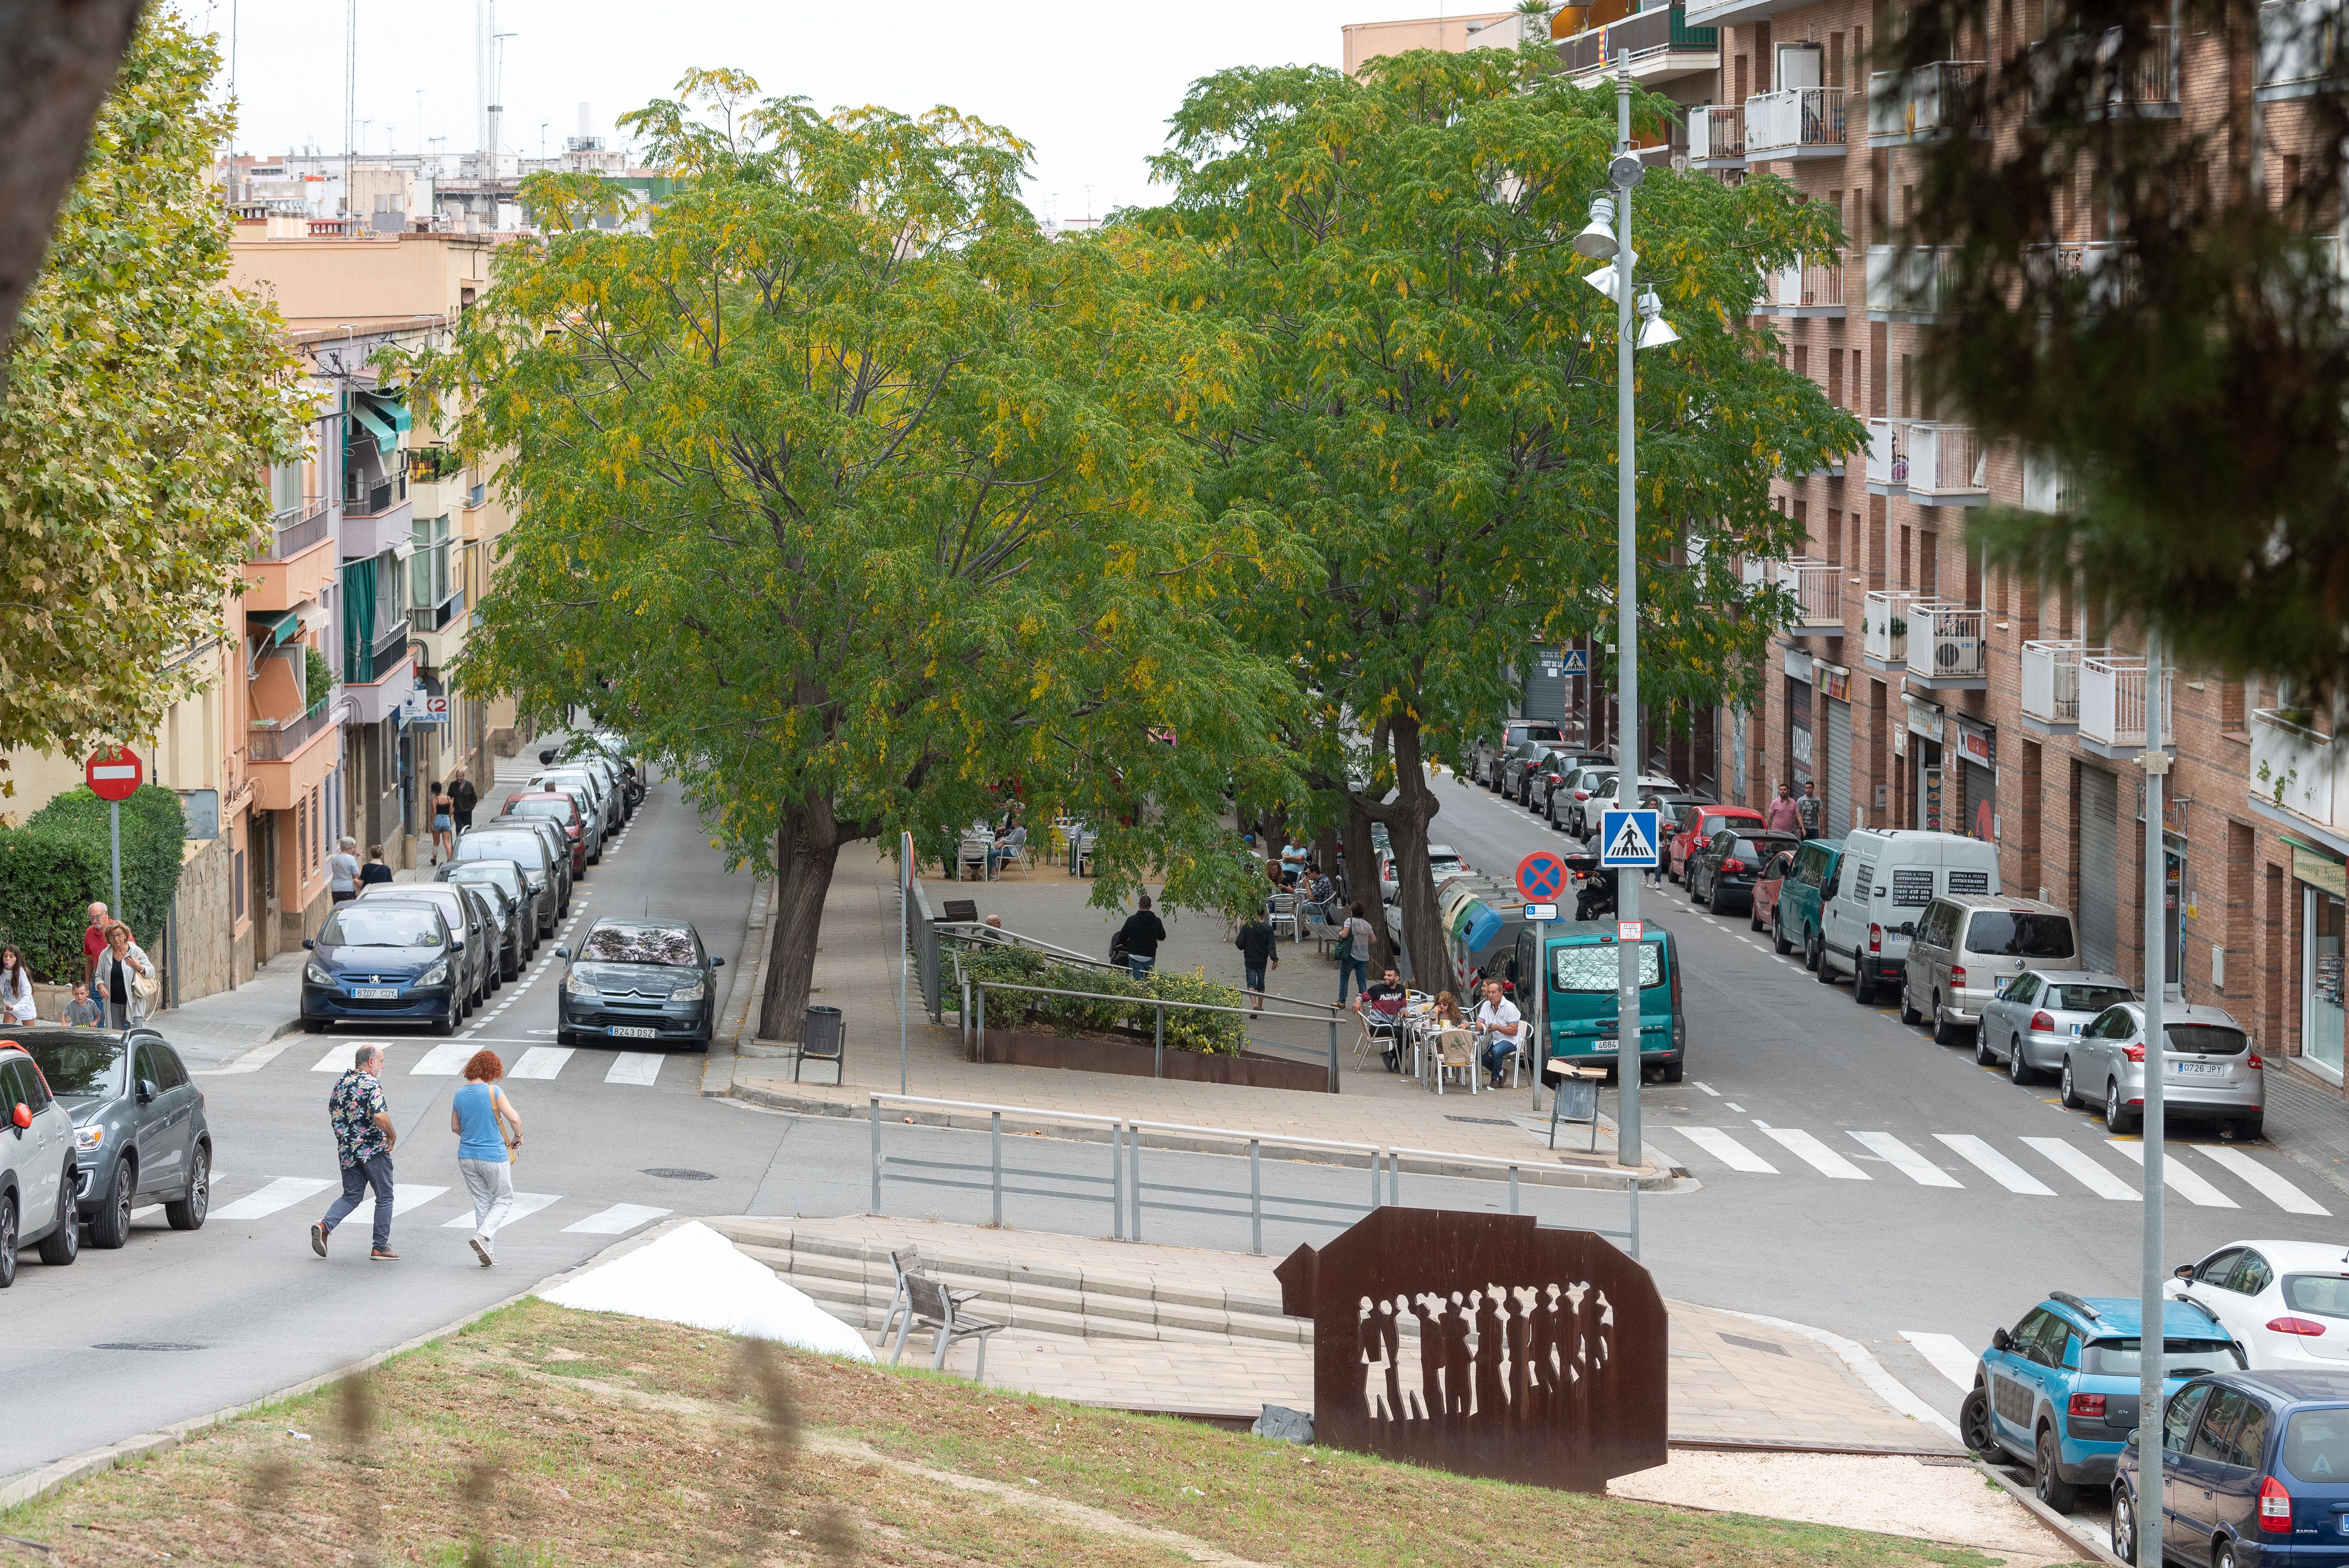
{"x":2151,"y":1361}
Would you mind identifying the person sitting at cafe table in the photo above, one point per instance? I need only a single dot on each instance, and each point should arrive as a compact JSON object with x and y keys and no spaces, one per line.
{"x":1504,"y":1029}
{"x":1382,"y":1007}
{"x":1449,"y":1027}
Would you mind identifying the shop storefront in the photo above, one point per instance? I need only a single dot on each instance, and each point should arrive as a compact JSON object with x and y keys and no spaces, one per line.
{"x":1974,"y":809}
{"x":2320,"y":882}
{"x":1923,"y":738}
{"x":1798,"y":718}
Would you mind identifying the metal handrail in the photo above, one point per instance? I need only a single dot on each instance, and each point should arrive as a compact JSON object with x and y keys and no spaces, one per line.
{"x":1158,"y":1043}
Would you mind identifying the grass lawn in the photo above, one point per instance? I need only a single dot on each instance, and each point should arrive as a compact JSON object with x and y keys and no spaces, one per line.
{"x":541,"y":1436}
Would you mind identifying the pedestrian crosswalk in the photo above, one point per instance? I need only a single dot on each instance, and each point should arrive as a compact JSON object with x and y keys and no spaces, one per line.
{"x":446,"y":1059}
{"x":283,"y":1193}
{"x":2202,"y":1175}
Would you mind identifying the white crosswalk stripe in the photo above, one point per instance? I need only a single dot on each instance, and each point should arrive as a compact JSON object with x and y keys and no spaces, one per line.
{"x":283,"y":1193}
{"x":1725,"y":1148}
{"x":1946,"y":1354}
{"x":2265,"y":1182}
{"x":407,"y":1195}
{"x":2076,"y":1164}
{"x":445,"y":1061}
{"x":525,"y":1204}
{"x":540,"y":1062}
{"x":1816,"y":1154}
{"x":338,"y":1060}
{"x":617,"y":1219}
{"x":1906,"y":1160}
{"x":1994,"y":1165}
{"x":635,"y":1067}
{"x":2177,"y":1176}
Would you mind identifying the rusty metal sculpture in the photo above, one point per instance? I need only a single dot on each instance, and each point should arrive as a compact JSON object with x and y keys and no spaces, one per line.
{"x":1483,"y":1344}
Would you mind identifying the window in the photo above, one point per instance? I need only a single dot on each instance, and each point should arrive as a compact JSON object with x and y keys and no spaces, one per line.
{"x":2325,"y":1295}
{"x":167,"y":1063}
{"x":2316,"y":1444}
{"x":2019,"y":934}
{"x":2253,"y":1274}
{"x":88,"y":1066}
{"x":2180,"y":1358}
{"x":2053,"y":1347}
{"x":428,"y":569}
{"x":2177,"y":1421}
{"x":2205,"y":1039}
{"x":1596,"y":969}
{"x":2215,"y":1439}
{"x":2214,"y":1269}
{"x":2084,"y":998}
{"x":285,"y":490}
{"x":2024,"y":989}
{"x":664,"y":944}
{"x":391,"y":612}
{"x":143,"y":1070}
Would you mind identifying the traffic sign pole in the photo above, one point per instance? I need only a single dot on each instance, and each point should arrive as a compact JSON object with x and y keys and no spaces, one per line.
{"x":1626,"y":640}
{"x":114,"y":774}
{"x":114,"y":832}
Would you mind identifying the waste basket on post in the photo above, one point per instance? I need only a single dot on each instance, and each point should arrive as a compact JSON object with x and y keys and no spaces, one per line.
{"x":823,"y":1038}
{"x":1576,"y":1099}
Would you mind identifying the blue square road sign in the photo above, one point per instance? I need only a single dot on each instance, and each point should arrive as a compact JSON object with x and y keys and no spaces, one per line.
{"x":1627,"y":839}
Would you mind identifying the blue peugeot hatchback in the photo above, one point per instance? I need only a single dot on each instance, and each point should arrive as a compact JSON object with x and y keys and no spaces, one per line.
{"x":2254,"y":1472}
{"x":380,"y":963}
{"x":2060,"y":1392}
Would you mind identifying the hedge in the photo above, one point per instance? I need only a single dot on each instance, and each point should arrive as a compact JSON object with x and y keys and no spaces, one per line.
{"x":1209,"y":1034}
{"x":58,"y":864}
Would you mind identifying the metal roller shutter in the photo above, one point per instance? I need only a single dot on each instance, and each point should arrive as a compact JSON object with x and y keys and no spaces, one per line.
{"x":1834,"y":771}
{"x":1982,"y":802}
{"x":1546,"y":687}
{"x":2100,"y":869}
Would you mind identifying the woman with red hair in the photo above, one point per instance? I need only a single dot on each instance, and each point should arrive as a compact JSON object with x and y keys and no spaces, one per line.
{"x":488,"y":1130}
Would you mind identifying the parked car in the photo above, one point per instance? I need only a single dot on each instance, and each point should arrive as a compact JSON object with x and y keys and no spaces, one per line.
{"x":606,"y":808}
{"x":475,"y":935}
{"x":2286,"y":1303}
{"x":2060,"y":1392}
{"x":1697,"y":824}
{"x":36,"y":1167}
{"x":638,"y":980}
{"x":1762,"y":904}
{"x":2212,"y":1073}
{"x":2032,"y":1022}
{"x":139,"y":1126}
{"x":609,"y":749}
{"x":532,"y":906}
{"x":1727,"y":867}
{"x":1442,"y":861}
{"x":2254,"y":1470}
{"x":570,"y":809}
{"x":509,"y":918}
{"x":546,"y":871}
{"x":1485,"y":756}
{"x":383,"y":961}
{"x":1895,"y":876}
{"x":1517,"y":768}
{"x":1543,"y":774}
{"x":1596,"y":795}
{"x":1799,"y":914}
{"x":1558,"y":779}
{"x":1967,"y":945}
{"x":1581,"y":968}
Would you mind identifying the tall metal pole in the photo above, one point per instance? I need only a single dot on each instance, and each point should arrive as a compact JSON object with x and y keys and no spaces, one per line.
{"x":2157,"y":954}
{"x":1627,"y":631}
{"x":114,"y":833}
{"x":904,"y":936}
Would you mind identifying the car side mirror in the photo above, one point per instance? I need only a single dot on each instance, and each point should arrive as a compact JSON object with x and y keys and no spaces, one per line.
{"x":546,"y":757}
{"x":456,"y":945}
{"x":717,"y":964}
{"x":147,"y":1090}
{"x":308,"y":944}
{"x":2183,"y":1271}
{"x":2000,"y":1339}
{"x":22,"y":1116}
{"x":563,"y":952}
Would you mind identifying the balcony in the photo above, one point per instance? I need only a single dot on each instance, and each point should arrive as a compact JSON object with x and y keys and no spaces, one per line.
{"x":1911,"y":284}
{"x":296,"y":562}
{"x":2300,"y":49}
{"x":274,"y":740}
{"x":1956,"y":649}
{"x":294,"y":530}
{"x":1927,"y":104}
{"x":1888,"y":457}
{"x":439,"y":631}
{"x":1659,"y":42}
{"x":2051,"y":685}
{"x":2299,"y":776}
{"x":2047,"y":486}
{"x":1948,"y":465}
{"x":2112,"y":706}
{"x":2120,"y":82}
{"x":2101,"y":273}
{"x":1717,"y":137}
{"x":1736,"y":13}
{"x":1806,"y":288}
{"x":433,"y":618}
{"x":286,"y":761}
{"x":1884,"y":629}
{"x":1795,"y":122}
{"x":365,"y":534}
{"x":1817,"y":590}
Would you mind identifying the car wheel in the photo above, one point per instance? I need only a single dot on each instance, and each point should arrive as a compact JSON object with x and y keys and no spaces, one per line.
{"x":63,"y":1244}
{"x":2123,"y":1524}
{"x":2017,"y":1069}
{"x":1696,"y":899}
{"x":2225,"y":1556}
{"x":1944,"y":1032}
{"x":7,"y":1240}
{"x":2116,"y":1118}
{"x":1672,"y":1072}
{"x":2068,"y":1095}
{"x":446,"y":1024}
{"x":1909,"y":1014}
{"x":1981,"y":1048}
{"x":1863,"y":986}
{"x":313,"y":1026}
{"x":1974,"y":1424}
{"x":1752,"y":913}
{"x":567,"y":1038}
{"x":187,"y":1213}
{"x":1778,"y":935}
{"x":1820,"y":964}
{"x":110,"y":1227}
{"x":2047,"y":1483}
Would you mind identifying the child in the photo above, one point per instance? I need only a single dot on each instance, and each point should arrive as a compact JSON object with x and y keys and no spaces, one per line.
{"x":81,"y":1013}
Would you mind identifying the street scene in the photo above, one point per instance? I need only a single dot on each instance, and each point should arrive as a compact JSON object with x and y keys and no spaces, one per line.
{"x":1323,"y":788}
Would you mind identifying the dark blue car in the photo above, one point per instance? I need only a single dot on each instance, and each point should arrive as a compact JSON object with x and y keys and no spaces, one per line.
{"x":2254,"y":1473}
{"x":381,"y":963}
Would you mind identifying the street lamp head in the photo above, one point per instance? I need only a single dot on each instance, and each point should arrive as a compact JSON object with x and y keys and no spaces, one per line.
{"x":1604,"y":279}
{"x":1654,"y":331}
{"x":1597,"y":238}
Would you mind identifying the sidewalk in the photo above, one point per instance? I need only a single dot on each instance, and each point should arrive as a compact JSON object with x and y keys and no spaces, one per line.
{"x":213,"y":1030}
{"x":856,"y":972}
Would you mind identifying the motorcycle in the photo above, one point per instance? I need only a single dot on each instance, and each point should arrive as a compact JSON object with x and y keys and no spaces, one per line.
{"x":1595,"y":887}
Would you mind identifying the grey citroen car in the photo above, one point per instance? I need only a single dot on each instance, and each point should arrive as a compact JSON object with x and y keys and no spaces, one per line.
{"x":638,"y":980}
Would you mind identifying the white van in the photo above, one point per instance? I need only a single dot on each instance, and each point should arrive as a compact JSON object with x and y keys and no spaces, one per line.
{"x":1887,"y":881}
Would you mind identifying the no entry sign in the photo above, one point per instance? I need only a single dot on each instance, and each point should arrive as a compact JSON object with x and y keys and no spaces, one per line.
{"x":114,"y":772}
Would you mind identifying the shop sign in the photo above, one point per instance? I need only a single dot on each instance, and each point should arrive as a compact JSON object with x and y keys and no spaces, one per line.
{"x":2322,"y":875}
{"x":1925,"y":719}
{"x":1977,"y":747}
{"x":1798,"y":664}
{"x":1835,"y":682}
{"x":1802,"y":746}
{"x":1931,"y":815}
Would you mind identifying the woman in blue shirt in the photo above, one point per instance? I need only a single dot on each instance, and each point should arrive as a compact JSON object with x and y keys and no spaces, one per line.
{"x":488,"y":1130}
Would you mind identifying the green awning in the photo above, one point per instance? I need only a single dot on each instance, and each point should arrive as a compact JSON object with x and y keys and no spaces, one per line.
{"x":273,"y":625}
{"x":374,"y":423}
{"x":390,"y":409}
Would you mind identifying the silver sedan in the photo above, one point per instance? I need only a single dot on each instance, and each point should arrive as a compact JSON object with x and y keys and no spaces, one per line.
{"x":2209,"y":1070}
{"x":2038,"y":1015}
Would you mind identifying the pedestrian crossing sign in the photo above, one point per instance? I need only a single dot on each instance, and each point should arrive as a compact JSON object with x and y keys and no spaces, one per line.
{"x":1627,"y":838}
{"x":1575,"y":663}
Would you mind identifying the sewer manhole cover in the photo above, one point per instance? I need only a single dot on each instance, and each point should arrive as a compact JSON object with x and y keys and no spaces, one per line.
{"x":144,"y":1344}
{"x":671,"y":1173}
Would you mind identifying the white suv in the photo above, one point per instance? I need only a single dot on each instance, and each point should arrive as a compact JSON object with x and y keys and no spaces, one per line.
{"x":36,"y":1167}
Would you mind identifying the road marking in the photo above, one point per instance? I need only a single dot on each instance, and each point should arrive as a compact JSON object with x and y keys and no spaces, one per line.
{"x":2085,"y":1171}
{"x":524,"y":1205}
{"x":1907,"y":1161}
{"x":2176,"y":1175}
{"x":615,"y":1221}
{"x":1733,"y":1105}
{"x":2264,"y":1181}
{"x":541,"y":1062}
{"x":407,"y":1195}
{"x":1993,"y":1164}
{"x":444,"y":1061}
{"x":337,"y":1059}
{"x":1706,"y":1087}
{"x":1947,"y":1356}
{"x":1726,"y":1149}
{"x":283,"y":1193}
{"x":636,"y":1068}
{"x":1817,"y":1155}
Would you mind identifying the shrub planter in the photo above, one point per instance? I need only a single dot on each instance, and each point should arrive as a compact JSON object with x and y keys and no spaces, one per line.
{"x":1018,"y":1047}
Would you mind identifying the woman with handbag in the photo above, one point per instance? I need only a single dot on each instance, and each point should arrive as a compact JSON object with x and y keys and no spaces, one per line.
{"x":489,"y":1134}
{"x":125,"y":980}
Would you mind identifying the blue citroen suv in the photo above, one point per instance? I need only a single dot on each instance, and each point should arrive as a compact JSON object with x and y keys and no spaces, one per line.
{"x":2060,"y":1391}
{"x":2254,"y":1472}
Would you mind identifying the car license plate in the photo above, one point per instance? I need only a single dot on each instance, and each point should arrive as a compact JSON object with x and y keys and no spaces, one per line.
{"x":633,"y":1032}
{"x":2196,"y":1069}
{"x":375,"y":992}
{"x":2075,"y":1031}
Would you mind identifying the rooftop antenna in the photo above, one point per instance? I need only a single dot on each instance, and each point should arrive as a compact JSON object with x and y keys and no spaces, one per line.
{"x":542,"y":141}
{"x":350,"y":91}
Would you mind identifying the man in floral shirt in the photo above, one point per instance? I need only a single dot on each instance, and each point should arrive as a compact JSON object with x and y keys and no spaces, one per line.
{"x":363,"y":1140}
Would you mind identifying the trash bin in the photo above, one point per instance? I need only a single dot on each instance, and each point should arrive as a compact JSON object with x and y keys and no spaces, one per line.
{"x":1577,"y":1099}
{"x":823,"y":1038}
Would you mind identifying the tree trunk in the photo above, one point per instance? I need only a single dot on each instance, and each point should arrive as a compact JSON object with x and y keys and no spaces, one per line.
{"x":58,"y":58}
{"x":807,"y":847}
{"x":1416,"y":806}
{"x":1362,"y":875}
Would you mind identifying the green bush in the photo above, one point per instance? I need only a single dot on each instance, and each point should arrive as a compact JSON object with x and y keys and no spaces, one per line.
{"x":56,"y":865}
{"x":1211,"y":1034}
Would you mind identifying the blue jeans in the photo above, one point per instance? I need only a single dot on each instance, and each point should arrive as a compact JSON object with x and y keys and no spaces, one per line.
{"x":1139,"y":966}
{"x":1497,"y":1056}
{"x":1360,"y":968}
{"x":356,"y":1180}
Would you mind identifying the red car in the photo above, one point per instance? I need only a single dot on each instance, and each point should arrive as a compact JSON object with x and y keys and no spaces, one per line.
{"x":1765,"y":905}
{"x":559,"y":808}
{"x":1698,"y":829}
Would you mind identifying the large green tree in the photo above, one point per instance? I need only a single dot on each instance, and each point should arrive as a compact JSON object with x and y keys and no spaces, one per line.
{"x":861,"y":506}
{"x":143,"y":403}
{"x":1436,"y":414}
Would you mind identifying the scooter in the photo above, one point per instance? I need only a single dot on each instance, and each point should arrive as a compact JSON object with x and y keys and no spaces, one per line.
{"x":1595,"y":884}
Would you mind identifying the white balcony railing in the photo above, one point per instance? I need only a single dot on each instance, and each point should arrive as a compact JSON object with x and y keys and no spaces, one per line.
{"x":1930,"y":101}
{"x":1818,"y":588}
{"x":1910,"y":280}
{"x":2300,"y":48}
{"x":1947,"y":462}
{"x":2051,"y":679}
{"x":1956,"y":646}
{"x":2294,"y":768}
{"x":1716,"y":131}
{"x":1888,"y":453}
{"x":2112,"y":701}
{"x":1884,"y":624}
{"x":1793,"y":120}
{"x":1757,"y":571}
{"x":2120,"y":79}
{"x":2046,"y":486}
{"x":1806,"y":284}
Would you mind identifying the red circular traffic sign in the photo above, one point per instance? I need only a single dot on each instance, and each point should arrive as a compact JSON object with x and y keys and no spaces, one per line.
{"x":1541,"y":876}
{"x":114,"y":772}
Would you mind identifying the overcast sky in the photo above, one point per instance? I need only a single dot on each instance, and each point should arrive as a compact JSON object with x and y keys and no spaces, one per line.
{"x":1089,"y":85}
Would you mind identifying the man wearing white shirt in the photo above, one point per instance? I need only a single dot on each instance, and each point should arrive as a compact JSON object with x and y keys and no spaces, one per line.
{"x":1503,"y":1027}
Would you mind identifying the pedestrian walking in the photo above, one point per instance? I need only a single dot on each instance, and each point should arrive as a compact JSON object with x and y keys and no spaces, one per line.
{"x":343,"y":871}
{"x":1354,"y":954}
{"x":489,"y":1133}
{"x":93,"y":942}
{"x":444,"y":835}
{"x":375,"y":870}
{"x":1811,"y":810}
{"x":462,"y":798}
{"x":1784,"y":816}
{"x":1139,"y":938}
{"x":364,"y":1137}
{"x":125,"y":982}
{"x":16,"y":1004}
{"x":1259,"y":947}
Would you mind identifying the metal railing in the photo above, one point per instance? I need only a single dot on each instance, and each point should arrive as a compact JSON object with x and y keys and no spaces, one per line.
{"x":1957,"y":648}
{"x":2051,"y":679}
{"x":1947,"y":461}
{"x":2300,"y":48}
{"x":1928,"y":101}
{"x":1794,"y":118}
{"x":1913,"y":280}
{"x":1888,"y":452}
{"x":2106,"y":270}
{"x":373,"y":500}
{"x":1884,"y":624}
{"x":1716,"y":131}
{"x":978,"y":989}
{"x":2112,"y":700}
{"x":294,"y":530}
{"x":2297,"y":768}
{"x":271,"y":741}
{"x":1658,"y":30}
{"x":432,"y":619}
{"x":389,"y":649}
{"x":2119,"y":78}
{"x":1808,"y":284}
{"x":2047,"y":485}
{"x":1818,"y":588}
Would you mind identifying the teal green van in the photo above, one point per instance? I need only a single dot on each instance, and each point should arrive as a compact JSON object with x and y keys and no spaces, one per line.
{"x":1802,"y":899}
{"x":1582,"y":974}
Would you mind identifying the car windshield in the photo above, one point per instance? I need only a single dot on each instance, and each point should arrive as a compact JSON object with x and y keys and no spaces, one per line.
{"x":2020,"y":933}
{"x":91,"y":1065}
{"x":558,"y":809}
{"x":2084,"y":998}
{"x":523,"y":847}
{"x":367,"y":924}
{"x":2205,"y":1039}
{"x":2326,"y":1295}
{"x":668,"y":945}
{"x":2316,"y":1444}
{"x":1597,"y":969}
{"x":2180,"y":1357}
{"x":1538,"y":732}
{"x":507,"y":880}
